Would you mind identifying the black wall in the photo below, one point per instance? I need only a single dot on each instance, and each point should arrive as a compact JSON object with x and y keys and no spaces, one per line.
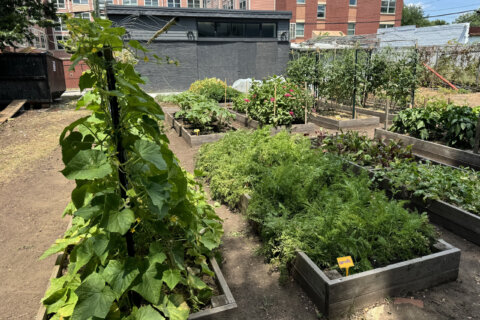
{"x":205,"y":59}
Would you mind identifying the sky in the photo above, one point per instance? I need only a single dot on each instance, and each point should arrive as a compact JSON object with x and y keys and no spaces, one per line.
{"x":438,"y":7}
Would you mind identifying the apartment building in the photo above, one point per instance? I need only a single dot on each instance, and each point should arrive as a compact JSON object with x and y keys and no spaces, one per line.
{"x":313,"y":18}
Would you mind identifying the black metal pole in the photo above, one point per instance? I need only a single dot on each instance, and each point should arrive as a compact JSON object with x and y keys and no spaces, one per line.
{"x":354,"y":98}
{"x":115,"y":113}
{"x":415,"y":61}
{"x":476,"y":145}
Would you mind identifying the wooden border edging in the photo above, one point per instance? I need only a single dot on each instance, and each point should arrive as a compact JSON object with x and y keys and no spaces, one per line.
{"x":223,"y":302}
{"x":434,"y":151}
{"x":195,"y":141}
{"x":339,"y":297}
{"x":360,"y":110}
{"x":461,"y":222}
{"x":343,"y":124}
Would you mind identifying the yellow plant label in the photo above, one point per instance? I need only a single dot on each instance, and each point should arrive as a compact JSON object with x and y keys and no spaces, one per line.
{"x":345,"y":262}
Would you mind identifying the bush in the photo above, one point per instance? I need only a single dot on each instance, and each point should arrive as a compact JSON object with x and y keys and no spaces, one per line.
{"x":438,"y":120}
{"x":206,"y":116}
{"x":288,"y":107}
{"x":214,"y":89}
{"x":304,"y":199}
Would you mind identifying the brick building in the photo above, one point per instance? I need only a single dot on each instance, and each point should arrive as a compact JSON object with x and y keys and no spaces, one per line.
{"x":311,"y":18}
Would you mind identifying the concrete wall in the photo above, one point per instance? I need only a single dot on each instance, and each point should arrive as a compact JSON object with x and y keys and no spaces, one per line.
{"x":220,"y":59}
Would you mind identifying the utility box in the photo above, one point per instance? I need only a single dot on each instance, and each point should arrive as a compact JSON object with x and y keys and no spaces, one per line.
{"x":36,"y":77}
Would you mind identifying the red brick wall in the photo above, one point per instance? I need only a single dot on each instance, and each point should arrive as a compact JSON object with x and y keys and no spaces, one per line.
{"x":262,"y":4}
{"x":337,"y":11}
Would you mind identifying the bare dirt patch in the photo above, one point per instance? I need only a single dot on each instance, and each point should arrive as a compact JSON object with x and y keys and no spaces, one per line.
{"x":466,"y":99}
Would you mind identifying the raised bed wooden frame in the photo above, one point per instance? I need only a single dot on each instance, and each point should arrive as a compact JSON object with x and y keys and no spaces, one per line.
{"x":221,"y":303}
{"x":339,"y":297}
{"x":434,"y":151}
{"x":335,"y":124}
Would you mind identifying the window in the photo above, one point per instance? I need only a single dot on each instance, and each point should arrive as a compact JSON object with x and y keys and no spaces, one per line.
{"x":59,"y":4}
{"x":194,"y":3}
{"x":151,"y":3}
{"x":321,"y":11}
{"x":300,"y":1}
{"x":173,"y":3}
{"x":43,"y":43}
{"x":243,"y":5}
{"x":351,"y":29}
{"x":61,"y":26}
{"x":388,"y":6}
{"x":58,"y":45}
{"x":80,"y":1}
{"x":130,"y":2}
{"x":386,"y":25}
{"x":210,"y":29}
{"x":228,"y":4}
{"x":353,"y":2}
{"x":292,"y":30}
{"x":83,"y":15}
{"x":300,"y":30}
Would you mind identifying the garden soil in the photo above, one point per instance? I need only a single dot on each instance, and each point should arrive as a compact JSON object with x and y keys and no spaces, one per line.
{"x":33,"y":194}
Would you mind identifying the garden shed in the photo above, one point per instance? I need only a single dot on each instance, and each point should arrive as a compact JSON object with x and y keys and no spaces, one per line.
{"x":226,"y":44}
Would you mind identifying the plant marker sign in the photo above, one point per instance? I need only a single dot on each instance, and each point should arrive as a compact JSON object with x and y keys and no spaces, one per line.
{"x":345,"y":263}
{"x":197,"y":131}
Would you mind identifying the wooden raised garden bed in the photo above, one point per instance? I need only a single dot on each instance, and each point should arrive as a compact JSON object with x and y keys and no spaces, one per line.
{"x":338,"y":297}
{"x":342,"y":295}
{"x":434,"y":151}
{"x":219,"y":304}
{"x":453,"y":218}
{"x":242,"y":119}
{"x":369,"y":112}
{"x":339,"y":124}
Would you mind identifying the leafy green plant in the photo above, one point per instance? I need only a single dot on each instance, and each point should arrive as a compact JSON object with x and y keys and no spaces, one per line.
{"x":458,"y":186}
{"x":275,"y":101}
{"x":206,"y":116}
{"x":439,"y":121}
{"x":214,"y":89}
{"x":142,"y":228}
{"x":363,"y":150}
{"x":304,"y":199}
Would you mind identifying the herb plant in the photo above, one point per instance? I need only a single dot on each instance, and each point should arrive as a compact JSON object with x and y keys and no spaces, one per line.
{"x":142,"y":228}
{"x":305,"y":199}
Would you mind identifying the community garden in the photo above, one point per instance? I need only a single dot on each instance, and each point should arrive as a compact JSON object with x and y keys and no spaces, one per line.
{"x":173,"y":194}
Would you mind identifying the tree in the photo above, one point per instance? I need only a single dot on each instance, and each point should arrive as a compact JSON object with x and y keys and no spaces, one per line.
{"x":414,"y":15}
{"x":473,"y":18}
{"x":18,"y":16}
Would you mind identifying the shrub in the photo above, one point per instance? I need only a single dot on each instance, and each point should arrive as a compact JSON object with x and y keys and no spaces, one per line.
{"x":288,"y":107}
{"x":214,"y":89}
{"x":206,"y":115}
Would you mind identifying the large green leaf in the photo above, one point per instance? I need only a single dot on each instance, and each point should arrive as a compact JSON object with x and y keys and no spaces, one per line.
{"x":94,"y":298}
{"x":151,"y":152}
{"x":209,"y":240}
{"x":88,"y":165}
{"x":172,"y":277}
{"x":148,"y":313}
{"x":150,"y":285}
{"x":120,"y":275}
{"x":120,"y":221}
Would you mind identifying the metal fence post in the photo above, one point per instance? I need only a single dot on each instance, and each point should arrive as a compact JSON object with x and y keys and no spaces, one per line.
{"x":354,"y":98}
{"x":415,"y":61}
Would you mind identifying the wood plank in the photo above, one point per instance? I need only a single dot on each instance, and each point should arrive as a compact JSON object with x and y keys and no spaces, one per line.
{"x":11,"y":109}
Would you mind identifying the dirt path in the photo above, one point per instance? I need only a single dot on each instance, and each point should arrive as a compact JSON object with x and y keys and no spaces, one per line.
{"x":33,"y":195}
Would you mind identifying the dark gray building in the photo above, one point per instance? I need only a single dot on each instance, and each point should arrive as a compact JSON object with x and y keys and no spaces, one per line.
{"x":226,"y":44}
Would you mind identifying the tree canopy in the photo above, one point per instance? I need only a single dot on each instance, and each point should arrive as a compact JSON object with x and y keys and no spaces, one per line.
{"x":473,"y":18}
{"x":18,"y":16}
{"x":414,"y":15}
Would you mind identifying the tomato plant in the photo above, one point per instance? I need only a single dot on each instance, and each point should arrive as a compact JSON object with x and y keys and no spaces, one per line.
{"x":142,"y":228}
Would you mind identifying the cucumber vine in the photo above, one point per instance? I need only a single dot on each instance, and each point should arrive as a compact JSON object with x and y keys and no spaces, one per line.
{"x":142,"y":228}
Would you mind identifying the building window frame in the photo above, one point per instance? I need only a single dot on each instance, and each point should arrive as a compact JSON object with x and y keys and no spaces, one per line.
{"x":59,"y":4}
{"x":151,"y":3}
{"x":351,"y":28}
{"x":321,"y":11}
{"x":388,"y":6}
{"x":59,"y":37}
{"x":386,"y":25}
{"x":83,"y":15}
{"x":243,"y":5}
{"x":301,"y":1}
{"x":173,"y":3}
{"x":193,"y":3}
{"x":300,"y":30}
{"x":352,"y":3}
{"x":82,"y":2}
{"x":130,"y":2}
